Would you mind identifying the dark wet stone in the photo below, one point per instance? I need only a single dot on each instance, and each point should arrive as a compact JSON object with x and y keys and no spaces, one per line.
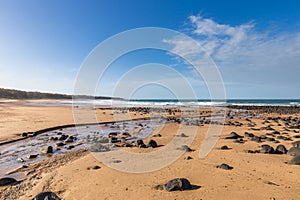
{"x":70,"y":139}
{"x":267,"y":149}
{"x":225,"y":166}
{"x":296,"y":144}
{"x":70,"y":147}
{"x":186,"y":148}
{"x":233,"y":135}
{"x":293,"y":151}
{"x":60,"y":144}
{"x":188,"y":158}
{"x":48,"y":149}
{"x":280,"y":149}
{"x":295,"y":160}
{"x":152,"y":143}
{"x":46,"y":196}
{"x":116,"y":161}
{"x":32,"y":156}
{"x":63,"y":137}
{"x":142,"y":146}
{"x":224,"y":147}
{"x":113,"y":140}
{"x":177,"y":184}
{"x":7,"y":181}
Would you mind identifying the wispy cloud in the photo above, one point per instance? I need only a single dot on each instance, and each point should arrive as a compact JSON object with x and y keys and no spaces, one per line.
{"x":245,"y":55}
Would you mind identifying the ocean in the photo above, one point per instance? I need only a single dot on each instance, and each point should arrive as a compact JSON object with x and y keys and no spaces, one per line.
{"x":194,"y":103}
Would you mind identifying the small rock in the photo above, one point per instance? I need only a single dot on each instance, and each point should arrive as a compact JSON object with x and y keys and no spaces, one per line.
{"x":20,"y":160}
{"x":95,"y":167}
{"x":32,"y":156}
{"x":46,"y":196}
{"x":152,"y":144}
{"x":157,"y":135}
{"x":177,"y":184}
{"x":59,"y":144}
{"x":188,"y":158}
{"x":224,"y":147}
{"x":280,"y":149}
{"x":225,"y":166}
{"x":24,"y":134}
{"x":7,"y":181}
{"x":267,"y":149}
{"x":186,"y":148}
{"x":139,"y":142}
{"x":182,"y":135}
{"x":46,"y":150}
{"x":233,"y":135}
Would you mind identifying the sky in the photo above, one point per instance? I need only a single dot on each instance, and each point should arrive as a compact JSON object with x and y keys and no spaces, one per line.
{"x":255,"y":46}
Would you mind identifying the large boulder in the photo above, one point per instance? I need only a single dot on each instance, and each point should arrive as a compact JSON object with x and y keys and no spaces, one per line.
{"x":152,"y":143}
{"x":293,"y":151}
{"x":280,"y":149}
{"x":295,"y":160}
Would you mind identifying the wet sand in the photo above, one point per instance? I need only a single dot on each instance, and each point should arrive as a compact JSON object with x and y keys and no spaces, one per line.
{"x":254,"y":175}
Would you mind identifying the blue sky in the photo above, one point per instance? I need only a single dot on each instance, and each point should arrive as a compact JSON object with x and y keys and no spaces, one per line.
{"x":255,"y":44}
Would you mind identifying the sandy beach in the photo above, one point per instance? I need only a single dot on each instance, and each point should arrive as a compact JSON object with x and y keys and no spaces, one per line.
{"x":258,"y":172}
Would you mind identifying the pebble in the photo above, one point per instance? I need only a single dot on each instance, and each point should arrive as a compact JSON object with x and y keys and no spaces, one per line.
{"x":233,"y":135}
{"x":186,"y":148}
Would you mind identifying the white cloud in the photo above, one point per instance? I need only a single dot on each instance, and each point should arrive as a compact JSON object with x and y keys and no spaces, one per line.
{"x":244,"y":55}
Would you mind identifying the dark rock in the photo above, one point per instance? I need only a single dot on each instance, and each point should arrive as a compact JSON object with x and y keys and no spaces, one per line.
{"x":188,"y":158}
{"x":295,"y":160}
{"x":63,"y":137}
{"x":177,"y":184}
{"x":224,"y":147}
{"x":241,"y":141}
{"x":48,"y":149}
{"x":20,"y":160}
{"x":293,"y":151}
{"x":267,"y":149}
{"x":280,"y":149}
{"x":152,"y":144}
{"x":256,"y":139}
{"x":32,"y":156}
{"x":157,"y":135}
{"x":113,"y":140}
{"x":7,"y":181}
{"x":24,"y":134}
{"x":225,"y":166}
{"x":270,"y":139}
{"x":46,"y":196}
{"x":95,"y":167}
{"x":233,"y":135}
{"x":296,"y":144}
{"x":249,"y":134}
{"x":60,"y":144}
{"x":142,"y":146}
{"x":182,"y":135}
{"x":70,"y":139}
{"x":70,"y":147}
{"x":139,"y":143}
{"x":186,"y":148}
